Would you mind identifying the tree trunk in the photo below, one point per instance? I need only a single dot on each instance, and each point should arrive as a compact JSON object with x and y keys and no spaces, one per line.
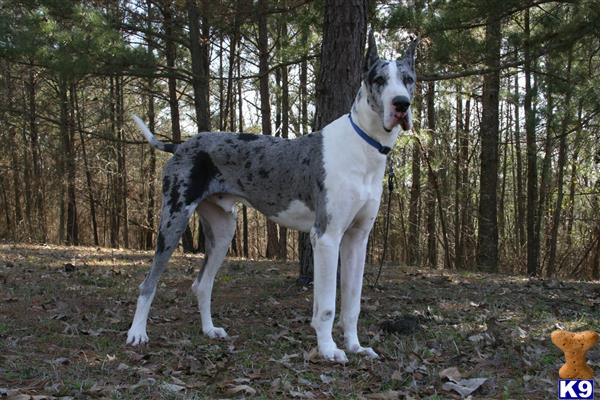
{"x":573,"y":181}
{"x":413,"y":250}
{"x":38,"y":179}
{"x":466,"y":236}
{"x":544,"y":191}
{"x":430,"y":202}
{"x":457,"y":180}
{"x":199,"y":50}
{"x":265,"y":103}
{"x":171,"y":55}
{"x":147,"y":238}
{"x":122,"y":163}
{"x":532,"y":192}
{"x":520,"y":195}
{"x":67,"y":126}
{"x":88,"y":174}
{"x":487,"y":246}
{"x":304,"y":88}
{"x":285,"y":126}
{"x":14,"y":155}
{"x":562,"y":160}
{"x":344,"y":33}
{"x":148,"y":235}
{"x":113,"y":186}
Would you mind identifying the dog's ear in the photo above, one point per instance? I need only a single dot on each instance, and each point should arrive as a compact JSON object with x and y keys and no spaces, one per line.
{"x":372,"y":57}
{"x":411,"y":53}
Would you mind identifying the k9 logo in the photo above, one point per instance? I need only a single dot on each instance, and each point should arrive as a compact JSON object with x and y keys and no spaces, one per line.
{"x":573,"y":389}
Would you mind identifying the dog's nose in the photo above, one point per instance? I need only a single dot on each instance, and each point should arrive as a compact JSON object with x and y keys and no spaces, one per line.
{"x":401,"y":103}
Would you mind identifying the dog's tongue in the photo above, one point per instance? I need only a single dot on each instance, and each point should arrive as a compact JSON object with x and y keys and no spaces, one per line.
{"x":404,"y":122}
{"x":402,"y":118}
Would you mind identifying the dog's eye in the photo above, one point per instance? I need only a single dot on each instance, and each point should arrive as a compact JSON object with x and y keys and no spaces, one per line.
{"x":408,"y":80}
{"x":380,"y":80}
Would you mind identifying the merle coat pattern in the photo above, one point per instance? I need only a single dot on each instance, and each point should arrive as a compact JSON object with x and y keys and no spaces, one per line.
{"x":327,"y":183}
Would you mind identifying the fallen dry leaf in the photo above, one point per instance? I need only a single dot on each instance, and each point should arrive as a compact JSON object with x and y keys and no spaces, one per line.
{"x":451,"y":373}
{"x":389,"y":395}
{"x":245,"y":389}
{"x":464,"y":387}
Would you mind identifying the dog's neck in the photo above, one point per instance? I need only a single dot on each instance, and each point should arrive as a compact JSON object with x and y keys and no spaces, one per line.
{"x":370,"y":122}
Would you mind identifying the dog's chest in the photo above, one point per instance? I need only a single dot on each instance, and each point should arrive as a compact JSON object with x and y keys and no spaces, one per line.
{"x":297,"y":216}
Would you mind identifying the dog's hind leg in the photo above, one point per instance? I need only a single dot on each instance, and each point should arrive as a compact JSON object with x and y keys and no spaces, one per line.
{"x":218,"y":225}
{"x":173,"y":221}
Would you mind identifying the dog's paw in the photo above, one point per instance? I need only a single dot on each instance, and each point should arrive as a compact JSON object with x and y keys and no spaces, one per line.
{"x":364,"y":351}
{"x":137,"y":337}
{"x":216,"y":333}
{"x":334,"y":355}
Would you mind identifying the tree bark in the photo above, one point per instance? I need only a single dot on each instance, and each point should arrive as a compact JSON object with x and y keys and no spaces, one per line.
{"x":562,"y":160}
{"x":487,"y":246}
{"x":199,"y":50}
{"x":430,"y":202}
{"x":265,"y":103}
{"x":457,"y":180}
{"x":147,"y":238}
{"x":413,"y":250}
{"x":88,"y":174}
{"x":520,"y":195}
{"x":285,"y":126}
{"x":171,"y":55}
{"x":344,"y":33}
{"x":532,"y":192}
{"x":38,"y":179}
{"x":66,"y":129}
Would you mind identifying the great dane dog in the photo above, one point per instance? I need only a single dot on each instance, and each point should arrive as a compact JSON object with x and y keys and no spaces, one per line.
{"x":328,"y":183}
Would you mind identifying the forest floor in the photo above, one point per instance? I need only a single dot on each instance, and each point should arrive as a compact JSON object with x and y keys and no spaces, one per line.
{"x":64,"y":313}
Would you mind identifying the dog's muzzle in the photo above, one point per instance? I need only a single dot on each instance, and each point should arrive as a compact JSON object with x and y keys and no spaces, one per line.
{"x":401,"y":109}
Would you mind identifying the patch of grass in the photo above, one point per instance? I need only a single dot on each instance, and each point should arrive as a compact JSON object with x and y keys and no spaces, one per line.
{"x":4,"y":328}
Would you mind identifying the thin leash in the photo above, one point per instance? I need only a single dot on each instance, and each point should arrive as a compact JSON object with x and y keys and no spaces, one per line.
{"x":391,"y":179}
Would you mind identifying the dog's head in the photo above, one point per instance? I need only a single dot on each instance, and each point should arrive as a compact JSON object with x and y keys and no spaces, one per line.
{"x":390,"y":85}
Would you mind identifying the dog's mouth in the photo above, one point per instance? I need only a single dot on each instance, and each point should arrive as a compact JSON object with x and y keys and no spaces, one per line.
{"x":399,"y":118}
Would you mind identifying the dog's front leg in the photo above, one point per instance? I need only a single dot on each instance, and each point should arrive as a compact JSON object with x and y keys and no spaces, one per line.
{"x":353,"y":251}
{"x":326,"y":251}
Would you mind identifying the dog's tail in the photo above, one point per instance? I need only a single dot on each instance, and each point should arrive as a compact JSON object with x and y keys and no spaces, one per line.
{"x":157,"y":144}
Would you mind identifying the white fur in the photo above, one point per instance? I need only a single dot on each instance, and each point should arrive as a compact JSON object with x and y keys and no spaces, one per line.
{"x":393,"y":88}
{"x":297,"y":216}
{"x":137,"y":333}
{"x":353,"y":182}
{"x":356,"y":172}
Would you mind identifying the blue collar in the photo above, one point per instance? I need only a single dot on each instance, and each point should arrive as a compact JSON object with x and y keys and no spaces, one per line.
{"x":380,"y":148}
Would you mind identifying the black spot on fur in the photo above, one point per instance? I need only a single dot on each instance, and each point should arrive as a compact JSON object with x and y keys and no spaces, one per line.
{"x":174,"y":197}
{"x":372,"y":74}
{"x":248,"y":164}
{"x":250,"y":177}
{"x":240,"y":184}
{"x":203,"y":171}
{"x":166,"y":184}
{"x":160,"y":243}
{"x":306,"y":161}
{"x":263,"y":173}
{"x":246,"y":137}
{"x":320,"y":185}
{"x":228,"y":141}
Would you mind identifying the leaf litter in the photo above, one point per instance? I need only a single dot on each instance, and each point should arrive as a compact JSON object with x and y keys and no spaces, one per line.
{"x":64,"y":313}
